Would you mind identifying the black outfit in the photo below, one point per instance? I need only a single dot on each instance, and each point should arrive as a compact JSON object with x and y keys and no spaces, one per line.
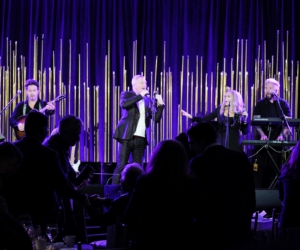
{"x":266,"y":109}
{"x":235,"y":126}
{"x":37,"y":181}
{"x":71,"y":227}
{"x":126,"y":128}
{"x":226,"y":182}
{"x":164,"y":216}
{"x":289,"y":194}
{"x":19,"y":111}
{"x":114,"y":214}
{"x":56,"y":143}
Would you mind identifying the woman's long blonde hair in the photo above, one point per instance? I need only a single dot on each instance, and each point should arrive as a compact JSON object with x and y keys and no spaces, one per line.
{"x":237,"y":104}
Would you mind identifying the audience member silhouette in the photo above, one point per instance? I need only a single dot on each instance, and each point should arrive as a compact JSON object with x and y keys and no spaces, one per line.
{"x":115,"y":213}
{"x":13,"y":235}
{"x":184,"y":140}
{"x":289,"y":190}
{"x":67,"y":136}
{"x":39,"y":178}
{"x":166,"y":204}
{"x":226,"y":181}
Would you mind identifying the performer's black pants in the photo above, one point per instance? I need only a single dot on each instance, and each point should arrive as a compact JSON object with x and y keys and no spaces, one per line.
{"x":136,"y":146}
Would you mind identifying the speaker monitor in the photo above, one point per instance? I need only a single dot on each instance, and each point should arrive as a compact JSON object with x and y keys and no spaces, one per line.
{"x":267,"y":199}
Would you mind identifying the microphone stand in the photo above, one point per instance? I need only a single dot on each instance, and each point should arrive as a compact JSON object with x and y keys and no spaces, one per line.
{"x":10,"y":102}
{"x":153,"y":112}
{"x":227,"y":128}
{"x":2,"y":138}
{"x":284,"y":121}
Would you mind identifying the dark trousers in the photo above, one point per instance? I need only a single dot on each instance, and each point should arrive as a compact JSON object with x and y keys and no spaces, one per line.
{"x":136,"y":146}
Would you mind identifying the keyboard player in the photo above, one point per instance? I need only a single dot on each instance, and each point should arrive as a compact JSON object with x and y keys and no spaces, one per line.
{"x":270,"y":106}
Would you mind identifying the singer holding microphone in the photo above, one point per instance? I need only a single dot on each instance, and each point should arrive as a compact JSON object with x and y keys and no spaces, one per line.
{"x":32,"y":102}
{"x":131,"y":129}
{"x":231,"y":118}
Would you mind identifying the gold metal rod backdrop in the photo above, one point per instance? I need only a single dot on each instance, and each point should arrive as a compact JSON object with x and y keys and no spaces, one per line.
{"x":42,"y":58}
{"x":180,"y":103}
{"x":206,"y":94}
{"x":70,"y":75}
{"x":124,"y":74}
{"x":265,"y":62}
{"x":201,"y":84}
{"x":277,"y":53}
{"x":211,"y":90}
{"x":187,"y":88}
{"x":108,"y":102}
{"x":79,"y":100}
{"x":35,"y":57}
{"x":105,"y":112}
{"x":192,"y":101}
{"x":85,"y":120}
{"x":171,"y":103}
{"x":217,"y":85}
{"x":242,"y":67}
{"x":197,"y":86}
{"x":237,"y":65}
{"x":221,"y":85}
{"x":88,"y":114}
{"x":115,"y":118}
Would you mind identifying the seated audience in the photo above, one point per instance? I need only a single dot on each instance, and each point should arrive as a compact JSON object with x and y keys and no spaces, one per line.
{"x":115,"y":213}
{"x":166,"y":205}
{"x":61,"y":140}
{"x":13,"y":235}
{"x":184,"y":139}
{"x":38,"y":180}
{"x":226,"y":181}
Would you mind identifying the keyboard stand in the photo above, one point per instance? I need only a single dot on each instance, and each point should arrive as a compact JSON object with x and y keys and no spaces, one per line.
{"x":277,"y":170}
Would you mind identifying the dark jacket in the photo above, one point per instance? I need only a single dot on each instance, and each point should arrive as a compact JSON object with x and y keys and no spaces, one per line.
{"x":130,"y":115}
{"x":56,"y":143}
{"x":37,"y":181}
{"x":265,"y":109}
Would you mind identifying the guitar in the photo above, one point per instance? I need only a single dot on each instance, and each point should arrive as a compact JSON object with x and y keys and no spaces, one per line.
{"x":21,"y":119}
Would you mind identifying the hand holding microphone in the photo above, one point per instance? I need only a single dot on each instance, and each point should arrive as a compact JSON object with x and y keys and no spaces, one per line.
{"x":144,"y":93}
{"x":245,"y":113}
{"x":158,"y":98}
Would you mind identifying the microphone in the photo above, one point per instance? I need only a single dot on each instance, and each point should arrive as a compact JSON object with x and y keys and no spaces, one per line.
{"x":19,"y":92}
{"x":243,"y":110}
{"x":154,"y":94}
{"x":273,"y":94}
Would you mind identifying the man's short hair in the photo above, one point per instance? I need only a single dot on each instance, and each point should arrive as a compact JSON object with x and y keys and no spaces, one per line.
{"x":69,"y":123}
{"x":35,"y":123}
{"x":129,"y":176}
{"x":32,"y":82}
{"x":273,"y":81}
{"x":203,"y":131}
{"x":136,"y":77}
